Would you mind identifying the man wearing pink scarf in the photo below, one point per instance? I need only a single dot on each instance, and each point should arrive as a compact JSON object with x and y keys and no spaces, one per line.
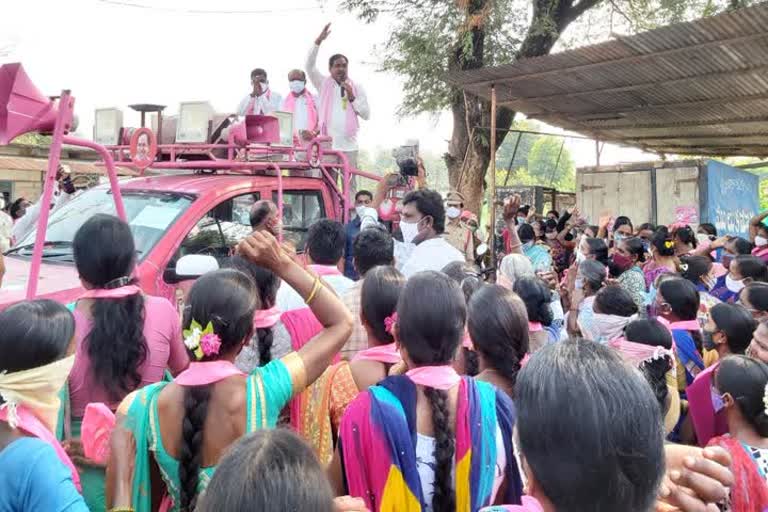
{"x":302,"y":104}
{"x":342,"y":101}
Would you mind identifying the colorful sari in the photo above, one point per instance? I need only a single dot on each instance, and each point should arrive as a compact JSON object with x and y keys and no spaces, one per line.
{"x":690,"y":362}
{"x":750,"y":491}
{"x":708,"y":422}
{"x":539,"y":256}
{"x":377,"y":440}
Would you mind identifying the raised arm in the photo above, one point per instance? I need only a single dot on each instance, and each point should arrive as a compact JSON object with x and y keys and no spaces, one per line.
{"x":754,"y":225}
{"x":262,"y":249}
{"x":314,"y":74}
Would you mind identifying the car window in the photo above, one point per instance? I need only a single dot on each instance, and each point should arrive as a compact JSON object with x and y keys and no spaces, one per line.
{"x":220,"y":229}
{"x":301,"y":209}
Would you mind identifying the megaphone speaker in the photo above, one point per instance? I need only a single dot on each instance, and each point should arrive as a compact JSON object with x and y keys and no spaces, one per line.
{"x":23,"y":108}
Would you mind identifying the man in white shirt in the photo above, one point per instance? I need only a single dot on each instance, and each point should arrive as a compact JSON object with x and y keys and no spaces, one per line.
{"x":261,"y":100}
{"x":6,"y":226}
{"x":302,"y":104}
{"x":422,"y":222}
{"x":64,"y":190}
{"x":342,"y":101}
{"x":325,"y":250}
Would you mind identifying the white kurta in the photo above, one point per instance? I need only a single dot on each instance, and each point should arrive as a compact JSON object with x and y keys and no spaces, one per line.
{"x":337,"y":126}
{"x":300,"y":114}
{"x":433,"y":254}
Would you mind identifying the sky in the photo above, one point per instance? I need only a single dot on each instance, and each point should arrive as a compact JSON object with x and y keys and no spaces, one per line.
{"x":110,"y":53}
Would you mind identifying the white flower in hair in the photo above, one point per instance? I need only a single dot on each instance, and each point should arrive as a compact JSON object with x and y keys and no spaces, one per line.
{"x":192,"y":338}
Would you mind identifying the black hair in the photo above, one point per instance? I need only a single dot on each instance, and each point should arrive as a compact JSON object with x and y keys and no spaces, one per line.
{"x":431,"y":317}
{"x":742,"y":246}
{"x":663,"y":243}
{"x":526,"y":233}
{"x":599,"y":249}
{"x":555,"y":212}
{"x":646,"y":226}
{"x":430,"y":204}
{"x":537,"y":298}
{"x":653,"y":333}
{"x":334,"y":58}
{"x":105,"y":257}
{"x":550,"y":225}
{"x":737,"y":324}
{"x":622,"y":220}
{"x":258,"y":71}
{"x":745,"y":380}
{"x":615,"y":300}
{"x":363,"y":193}
{"x":708,"y":228}
{"x":227,"y":299}
{"x":371,"y":248}
{"x":593,"y":273}
{"x":16,"y":207}
{"x":635,"y":247}
{"x":752,"y":267}
{"x":260,"y":211}
{"x":757,"y":294}
{"x":326,"y":241}
{"x":682,"y":297}
{"x":686,"y":236}
{"x":693,"y":268}
{"x":524,"y":209}
{"x":378,"y":299}
{"x":267,"y":283}
{"x":596,"y":454}
{"x":468,"y":276}
{"x":34,"y":333}
{"x":498,"y":326}
{"x":261,"y":472}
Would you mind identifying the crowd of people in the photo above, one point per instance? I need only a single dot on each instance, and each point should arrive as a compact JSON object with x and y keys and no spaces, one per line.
{"x":611,"y":367}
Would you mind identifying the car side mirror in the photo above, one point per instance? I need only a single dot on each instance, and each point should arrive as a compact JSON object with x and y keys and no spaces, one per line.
{"x":190,"y":267}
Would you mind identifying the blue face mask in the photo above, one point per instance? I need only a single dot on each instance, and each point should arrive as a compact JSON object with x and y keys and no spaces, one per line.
{"x":646,"y":245}
{"x":520,"y":220}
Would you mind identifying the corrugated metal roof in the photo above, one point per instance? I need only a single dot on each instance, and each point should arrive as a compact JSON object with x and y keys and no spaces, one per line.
{"x":692,"y":88}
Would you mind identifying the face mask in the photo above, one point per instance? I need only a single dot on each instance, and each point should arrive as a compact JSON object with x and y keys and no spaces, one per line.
{"x":708,"y":340}
{"x":734,"y":285}
{"x":717,"y":401}
{"x":452,"y":212}
{"x":579,"y":284}
{"x":410,"y":231}
{"x":296,"y":86}
{"x":621,"y":262}
{"x":618,"y":238}
{"x":520,"y":220}
{"x":760,"y":241}
{"x":360,"y":210}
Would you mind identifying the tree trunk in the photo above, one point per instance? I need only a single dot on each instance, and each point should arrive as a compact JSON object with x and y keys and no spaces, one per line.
{"x":469,"y":151}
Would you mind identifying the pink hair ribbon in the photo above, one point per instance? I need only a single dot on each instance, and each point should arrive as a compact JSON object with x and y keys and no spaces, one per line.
{"x":436,"y":377}
{"x":266,"y":318}
{"x":112,"y":293}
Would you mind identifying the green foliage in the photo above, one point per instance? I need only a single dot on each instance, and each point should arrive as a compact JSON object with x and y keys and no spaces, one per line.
{"x":33,"y":139}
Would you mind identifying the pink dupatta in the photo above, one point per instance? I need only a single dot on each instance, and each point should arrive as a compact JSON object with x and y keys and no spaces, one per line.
{"x":707,"y":422}
{"x":289,"y":105}
{"x":326,"y":108}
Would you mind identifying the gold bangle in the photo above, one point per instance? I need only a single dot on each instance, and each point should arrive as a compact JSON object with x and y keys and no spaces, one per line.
{"x":315,"y":288}
{"x":122,"y":509}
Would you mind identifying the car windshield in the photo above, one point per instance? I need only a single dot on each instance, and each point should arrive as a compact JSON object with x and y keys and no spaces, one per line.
{"x":149,"y":214}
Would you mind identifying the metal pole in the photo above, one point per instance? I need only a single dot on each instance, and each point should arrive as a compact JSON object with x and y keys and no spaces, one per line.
{"x":492,"y":200}
{"x":597,"y":154}
{"x":512,"y":161}
{"x":552,"y":177}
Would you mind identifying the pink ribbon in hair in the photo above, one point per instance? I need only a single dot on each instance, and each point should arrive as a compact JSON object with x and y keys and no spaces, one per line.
{"x":535,"y":327}
{"x":436,"y":377}
{"x":638,"y":353}
{"x":389,"y":323}
{"x":112,"y":293}
{"x":266,"y":318}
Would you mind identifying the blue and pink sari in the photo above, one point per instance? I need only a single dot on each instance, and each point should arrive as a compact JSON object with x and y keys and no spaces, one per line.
{"x":377,"y":441}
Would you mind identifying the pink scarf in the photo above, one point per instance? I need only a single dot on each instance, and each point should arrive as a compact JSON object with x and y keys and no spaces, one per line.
{"x":114,"y":293}
{"x":326,"y":108}
{"x":685,"y":325}
{"x":386,"y":354}
{"x":637,"y":353}
{"x":250,"y":109}
{"x":535,"y":327}
{"x":28,"y":422}
{"x":436,"y":377}
{"x":207,"y":372}
{"x":325,"y":270}
{"x":289,"y":105}
{"x":266,"y":318}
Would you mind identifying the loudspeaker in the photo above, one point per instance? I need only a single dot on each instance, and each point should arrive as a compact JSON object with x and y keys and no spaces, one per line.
{"x":23,"y":108}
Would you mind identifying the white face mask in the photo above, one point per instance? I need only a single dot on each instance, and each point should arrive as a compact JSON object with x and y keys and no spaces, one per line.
{"x":410,"y":231}
{"x":452,"y":212}
{"x":760,"y":241}
{"x":551,"y":236}
{"x":360,"y":210}
{"x":734,"y":285}
{"x":579,"y":283}
{"x":296,"y":86}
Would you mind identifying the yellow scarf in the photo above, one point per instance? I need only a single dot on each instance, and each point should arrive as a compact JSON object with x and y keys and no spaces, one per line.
{"x":37,"y":389}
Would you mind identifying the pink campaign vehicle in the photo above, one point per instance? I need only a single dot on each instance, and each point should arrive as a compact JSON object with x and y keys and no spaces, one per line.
{"x":196,"y":176}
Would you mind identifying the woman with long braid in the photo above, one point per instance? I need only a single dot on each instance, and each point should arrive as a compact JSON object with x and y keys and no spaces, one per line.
{"x":184,"y":427}
{"x":428,"y":440}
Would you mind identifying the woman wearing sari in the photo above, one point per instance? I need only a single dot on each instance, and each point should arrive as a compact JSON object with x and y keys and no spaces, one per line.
{"x":216,"y":402}
{"x":536,"y":252}
{"x":613,"y":310}
{"x":400,"y":440}
{"x":37,"y":339}
{"x":626,"y":264}
{"x":663,"y":257}
{"x":741,"y":384}
{"x":582,"y":285}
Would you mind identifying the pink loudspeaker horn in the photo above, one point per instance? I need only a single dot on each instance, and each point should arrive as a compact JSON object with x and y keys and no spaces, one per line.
{"x":23,"y":108}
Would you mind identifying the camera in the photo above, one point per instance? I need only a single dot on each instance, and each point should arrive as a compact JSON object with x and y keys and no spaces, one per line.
{"x":406,"y":158}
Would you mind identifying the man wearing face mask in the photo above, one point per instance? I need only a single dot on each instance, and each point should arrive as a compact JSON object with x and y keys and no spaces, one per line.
{"x":261,"y":100}
{"x":456,"y":233}
{"x":363,"y":200}
{"x":422,"y":223}
{"x":302,"y":104}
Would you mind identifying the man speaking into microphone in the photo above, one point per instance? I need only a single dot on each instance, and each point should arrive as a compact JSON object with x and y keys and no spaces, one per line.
{"x":342,"y":101}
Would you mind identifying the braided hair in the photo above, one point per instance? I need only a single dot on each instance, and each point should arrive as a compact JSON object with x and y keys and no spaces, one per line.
{"x":227,"y":299}
{"x":652,"y":332}
{"x":498,"y":325}
{"x":470,"y":280}
{"x":431,"y":317}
